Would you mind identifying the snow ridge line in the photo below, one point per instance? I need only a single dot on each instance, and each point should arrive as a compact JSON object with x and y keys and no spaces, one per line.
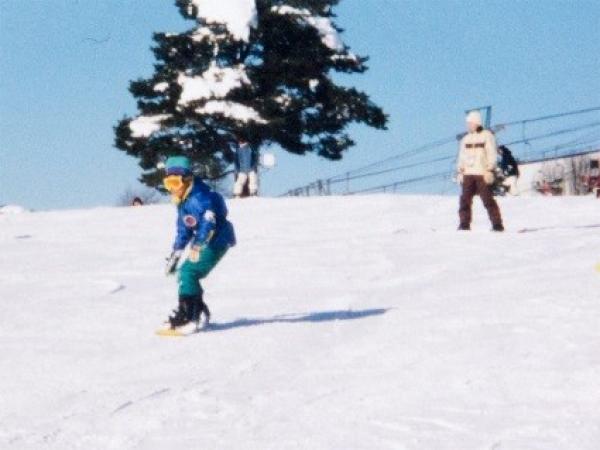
{"x":129,"y":403}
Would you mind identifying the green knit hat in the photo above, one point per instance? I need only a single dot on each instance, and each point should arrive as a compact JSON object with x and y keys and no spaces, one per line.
{"x":178,"y":165}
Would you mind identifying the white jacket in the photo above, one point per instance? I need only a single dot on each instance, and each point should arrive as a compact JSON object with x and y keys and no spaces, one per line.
{"x":478,"y":153}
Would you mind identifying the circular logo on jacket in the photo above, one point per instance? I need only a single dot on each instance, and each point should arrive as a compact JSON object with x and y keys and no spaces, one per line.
{"x":190,"y":221}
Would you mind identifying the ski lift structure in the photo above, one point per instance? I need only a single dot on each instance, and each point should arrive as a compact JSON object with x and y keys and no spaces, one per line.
{"x":431,"y":166}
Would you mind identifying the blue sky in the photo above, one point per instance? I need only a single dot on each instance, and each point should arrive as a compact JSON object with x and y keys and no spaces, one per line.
{"x":65,"y":67}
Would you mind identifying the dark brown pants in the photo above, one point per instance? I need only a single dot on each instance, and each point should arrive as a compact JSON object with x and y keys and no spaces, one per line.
{"x":475,"y":185}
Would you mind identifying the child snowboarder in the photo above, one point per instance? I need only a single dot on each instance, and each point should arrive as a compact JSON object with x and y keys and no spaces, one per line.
{"x":202,"y":223}
{"x":510,"y":170}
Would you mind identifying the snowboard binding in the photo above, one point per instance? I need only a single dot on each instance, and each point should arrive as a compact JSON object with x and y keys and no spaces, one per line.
{"x":191,"y":315}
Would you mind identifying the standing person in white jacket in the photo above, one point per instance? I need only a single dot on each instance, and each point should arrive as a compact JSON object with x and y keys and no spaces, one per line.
{"x":476,"y":164}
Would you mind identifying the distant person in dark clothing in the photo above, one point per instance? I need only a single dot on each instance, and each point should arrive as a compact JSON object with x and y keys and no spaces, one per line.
{"x":137,"y":202}
{"x":510,"y":170}
{"x":246,"y":165}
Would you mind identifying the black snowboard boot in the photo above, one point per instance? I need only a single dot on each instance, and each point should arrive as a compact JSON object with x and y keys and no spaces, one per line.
{"x":464,"y":227}
{"x":498,"y":227}
{"x":180,"y":315}
{"x":195,"y":308}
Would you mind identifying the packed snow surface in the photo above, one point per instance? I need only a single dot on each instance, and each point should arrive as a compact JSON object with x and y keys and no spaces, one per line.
{"x":12,"y":209}
{"x":339,"y":323}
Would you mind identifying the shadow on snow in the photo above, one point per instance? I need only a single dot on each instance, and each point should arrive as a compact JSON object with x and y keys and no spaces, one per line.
{"x":323,"y":316}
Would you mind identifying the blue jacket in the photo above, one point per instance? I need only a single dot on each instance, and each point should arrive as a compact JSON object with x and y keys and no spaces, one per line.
{"x":202,"y":219}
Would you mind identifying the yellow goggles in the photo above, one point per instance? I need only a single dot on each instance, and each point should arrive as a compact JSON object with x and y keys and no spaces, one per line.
{"x":173,"y":182}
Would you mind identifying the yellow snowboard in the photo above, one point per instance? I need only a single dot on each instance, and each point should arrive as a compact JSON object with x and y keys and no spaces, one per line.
{"x":183,"y":331}
{"x":169,"y":332}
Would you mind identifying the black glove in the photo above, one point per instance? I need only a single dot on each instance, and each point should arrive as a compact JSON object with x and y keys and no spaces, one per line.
{"x":172,"y":261}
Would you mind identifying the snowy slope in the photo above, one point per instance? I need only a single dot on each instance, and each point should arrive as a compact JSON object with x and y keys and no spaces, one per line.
{"x":342,"y":323}
{"x":12,"y":209}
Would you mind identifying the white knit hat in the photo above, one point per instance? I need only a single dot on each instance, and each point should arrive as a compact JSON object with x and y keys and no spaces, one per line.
{"x":474,"y":117}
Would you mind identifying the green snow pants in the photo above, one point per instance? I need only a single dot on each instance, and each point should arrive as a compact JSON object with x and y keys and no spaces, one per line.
{"x":191,"y":273}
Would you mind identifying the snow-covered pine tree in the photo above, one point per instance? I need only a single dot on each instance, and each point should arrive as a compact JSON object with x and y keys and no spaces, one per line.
{"x":257,"y":68}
